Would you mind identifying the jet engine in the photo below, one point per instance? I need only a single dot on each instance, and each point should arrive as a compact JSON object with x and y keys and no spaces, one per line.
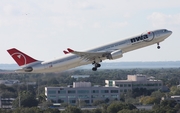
{"x":28,"y":69}
{"x":115,"y":55}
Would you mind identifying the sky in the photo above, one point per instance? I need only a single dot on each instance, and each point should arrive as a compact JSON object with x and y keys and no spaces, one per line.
{"x":44,"y":28}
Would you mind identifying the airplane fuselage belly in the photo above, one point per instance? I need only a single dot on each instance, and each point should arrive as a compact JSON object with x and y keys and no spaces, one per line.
{"x":52,"y":66}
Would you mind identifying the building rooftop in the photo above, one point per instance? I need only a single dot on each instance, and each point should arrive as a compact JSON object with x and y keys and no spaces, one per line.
{"x":80,"y":76}
{"x":135,"y":78}
{"x":175,"y":96}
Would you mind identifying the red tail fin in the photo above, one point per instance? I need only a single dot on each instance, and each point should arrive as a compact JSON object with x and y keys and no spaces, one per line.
{"x":20,"y":58}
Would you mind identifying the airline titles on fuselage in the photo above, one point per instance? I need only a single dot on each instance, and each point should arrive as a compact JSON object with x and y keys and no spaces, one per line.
{"x":139,"y":38}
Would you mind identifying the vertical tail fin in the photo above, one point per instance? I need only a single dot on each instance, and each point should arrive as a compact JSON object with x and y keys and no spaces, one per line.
{"x":20,"y":57}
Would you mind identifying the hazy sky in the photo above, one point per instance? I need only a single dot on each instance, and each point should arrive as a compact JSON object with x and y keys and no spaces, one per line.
{"x":44,"y":28}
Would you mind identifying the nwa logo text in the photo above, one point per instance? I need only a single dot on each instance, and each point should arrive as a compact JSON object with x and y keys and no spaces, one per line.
{"x":136,"y":39}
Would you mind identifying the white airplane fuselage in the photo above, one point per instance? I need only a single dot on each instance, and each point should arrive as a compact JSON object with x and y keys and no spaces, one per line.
{"x":121,"y":47}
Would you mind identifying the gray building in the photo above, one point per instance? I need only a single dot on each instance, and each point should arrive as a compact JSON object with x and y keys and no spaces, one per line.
{"x":9,"y":82}
{"x":81,"y":91}
{"x":135,"y":81}
{"x":6,"y":103}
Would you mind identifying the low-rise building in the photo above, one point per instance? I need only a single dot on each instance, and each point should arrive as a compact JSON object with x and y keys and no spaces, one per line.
{"x":9,"y":82}
{"x":80,"y":76}
{"x":6,"y":103}
{"x":81,"y":91}
{"x":12,"y":82}
{"x":135,"y":81}
{"x":174,"y":97}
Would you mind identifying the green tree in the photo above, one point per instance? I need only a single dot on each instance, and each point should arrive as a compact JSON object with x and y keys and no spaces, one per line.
{"x":5,"y":111}
{"x":72,"y":109}
{"x":97,"y":110}
{"x":27,"y":110}
{"x":148,"y":100}
{"x":41,"y":98}
{"x":26,"y":99}
{"x":141,"y":91}
{"x":7,"y":91}
{"x":157,"y":94}
{"x":174,"y":90}
{"x":46,"y":104}
{"x":86,"y":111}
{"x":117,"y":106}
{"x":49,"y":110}
{"x":98,"y":102}
{"x":127,"y":111}
{"x":135,"y":111}
{"x":166,"y":106}
{"x":53,"y":81}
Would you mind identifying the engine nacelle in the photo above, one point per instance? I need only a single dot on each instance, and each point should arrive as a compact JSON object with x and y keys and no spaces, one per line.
{"x":28,"y":69}
{"x":115,"y":55}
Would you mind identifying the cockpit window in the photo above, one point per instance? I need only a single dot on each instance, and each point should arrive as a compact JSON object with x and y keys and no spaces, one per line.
{"x":164,"y":30}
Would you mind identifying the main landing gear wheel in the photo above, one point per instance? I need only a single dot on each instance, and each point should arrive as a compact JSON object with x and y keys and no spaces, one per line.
{"x":96,"y":65}
{"x":94,"y":68}
{"x":158,"y":46}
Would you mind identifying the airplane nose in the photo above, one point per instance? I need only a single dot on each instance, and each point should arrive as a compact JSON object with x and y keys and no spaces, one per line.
{"x":169,"y":33}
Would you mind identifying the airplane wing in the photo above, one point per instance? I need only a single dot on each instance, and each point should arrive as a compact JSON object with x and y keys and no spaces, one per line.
{"x":90,"y":56}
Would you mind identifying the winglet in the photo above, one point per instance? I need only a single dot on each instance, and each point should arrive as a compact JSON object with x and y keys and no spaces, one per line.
{"x":70,"y":50}
{"x":65,"y":52}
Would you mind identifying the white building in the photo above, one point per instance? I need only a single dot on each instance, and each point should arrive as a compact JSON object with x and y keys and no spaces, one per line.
{"x":9,"y":82}
{"x":135,"y":81}
{"x":81,"y":91}
{"x":80,"y":76}
{"x":176,"y":98}
{"x":12,"y":82}
{"x":6,"y":103}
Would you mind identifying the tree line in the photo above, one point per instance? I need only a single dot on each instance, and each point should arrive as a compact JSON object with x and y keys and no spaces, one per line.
{"x":29,"y":94}
{"x":167,"y":106}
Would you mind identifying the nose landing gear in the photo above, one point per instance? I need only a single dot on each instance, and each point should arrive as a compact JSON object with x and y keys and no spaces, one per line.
{"x":158,"y":46}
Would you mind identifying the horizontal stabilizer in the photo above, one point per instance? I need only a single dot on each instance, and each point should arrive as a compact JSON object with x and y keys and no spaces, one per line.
{"x":70,"y":50}
{"x":65,"y":52}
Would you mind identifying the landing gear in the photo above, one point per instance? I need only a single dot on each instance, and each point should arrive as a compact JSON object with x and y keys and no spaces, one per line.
{"x":96,"y":65}
{"x":94,"y":68}
{"x":158,"y":46}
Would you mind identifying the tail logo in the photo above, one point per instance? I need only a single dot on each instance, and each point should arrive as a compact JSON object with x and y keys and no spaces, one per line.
{"x":20,"y":57}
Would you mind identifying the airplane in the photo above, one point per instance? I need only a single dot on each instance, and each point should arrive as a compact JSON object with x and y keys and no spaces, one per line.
{"x":94,"y":56}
